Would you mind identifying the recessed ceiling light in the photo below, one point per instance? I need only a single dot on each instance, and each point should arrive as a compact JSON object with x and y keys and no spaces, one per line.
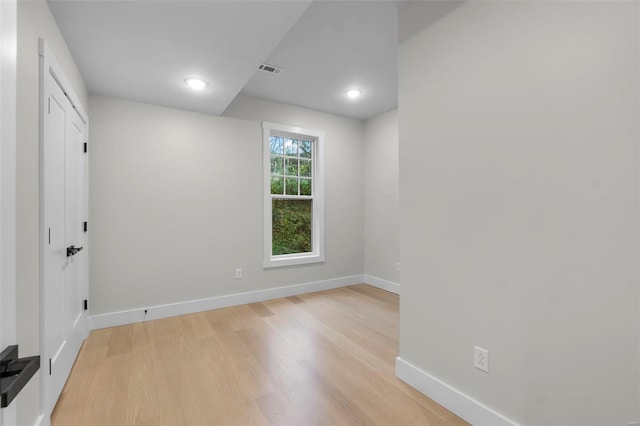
{"x":353,"y":93}
{"x":196,"y":83}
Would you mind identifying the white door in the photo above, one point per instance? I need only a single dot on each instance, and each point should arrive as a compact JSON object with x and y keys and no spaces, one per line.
{"x":7,"y":184}
{"x":64,"y":254}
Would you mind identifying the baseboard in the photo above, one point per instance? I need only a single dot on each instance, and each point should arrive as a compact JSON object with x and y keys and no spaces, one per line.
{"x":132,"y":316}
{"x":382,"y":284}
{"x":42,"y":420}
{"x":452,"y":399}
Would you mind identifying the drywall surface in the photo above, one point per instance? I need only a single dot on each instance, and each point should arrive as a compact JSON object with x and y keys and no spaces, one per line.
{"x":519,"y":209}
{"x":176,"y":205}
{"x":34,"y":21}
{"x":381,"y":218}
{"x":344,"y":174}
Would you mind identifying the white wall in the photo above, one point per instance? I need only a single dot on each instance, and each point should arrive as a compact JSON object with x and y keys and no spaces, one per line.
{"x":34,"y":21}
{"x":8,"y":48}
{"x":176,"y":203}
{"x":519,"y":150}
{"x":381,"y":218}
{"x":344,"y":177}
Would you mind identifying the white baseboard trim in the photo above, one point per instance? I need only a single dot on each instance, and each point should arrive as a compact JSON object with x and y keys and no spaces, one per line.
{"x":42,"y":420}
{"x":452,"y":399}
{"x":132,"y":316}
{"x":382,"y":284}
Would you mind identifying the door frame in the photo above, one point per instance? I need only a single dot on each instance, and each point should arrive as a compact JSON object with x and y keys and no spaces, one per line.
{"x":8,"y":55}
{"x":50,"y":66}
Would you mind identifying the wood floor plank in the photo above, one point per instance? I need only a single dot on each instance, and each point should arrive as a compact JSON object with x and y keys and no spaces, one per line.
{"x":324,"y":358}
{"x":295,"y":299}
{"x":261,"y":310}
{"x":121,"y":340}
{"x":142,"y":398}
{"x":380,"y":295}
{"x":249,"y":375}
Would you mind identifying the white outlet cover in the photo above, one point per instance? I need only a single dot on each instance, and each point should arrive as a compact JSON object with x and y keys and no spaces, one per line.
{"x":481,"y":359}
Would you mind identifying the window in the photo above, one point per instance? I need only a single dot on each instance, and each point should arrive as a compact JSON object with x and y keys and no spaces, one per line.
{"x":293,"y":195}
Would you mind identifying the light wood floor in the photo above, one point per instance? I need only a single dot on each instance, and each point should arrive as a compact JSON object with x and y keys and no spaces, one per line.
{"x":324,"y":358}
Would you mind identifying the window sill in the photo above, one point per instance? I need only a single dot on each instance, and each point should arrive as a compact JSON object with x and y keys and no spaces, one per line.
{"x":278,"y":261}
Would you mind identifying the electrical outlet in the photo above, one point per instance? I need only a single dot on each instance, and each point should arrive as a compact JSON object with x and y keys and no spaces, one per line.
{"x":481,"y":359}
{"x":238,"y":273}
{"x":398,"y":267}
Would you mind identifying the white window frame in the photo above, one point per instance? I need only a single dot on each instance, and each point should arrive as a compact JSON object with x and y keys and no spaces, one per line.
{"x":317,"y":214}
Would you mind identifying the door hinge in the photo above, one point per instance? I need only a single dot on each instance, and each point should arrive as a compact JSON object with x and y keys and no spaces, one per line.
{"x":85,"y":304}
{"x":85,"y":226}
{"x":85,"y":147}
{"x":49,"y":366}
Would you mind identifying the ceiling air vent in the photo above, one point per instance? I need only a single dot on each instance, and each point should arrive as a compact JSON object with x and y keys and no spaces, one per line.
{"x":270,"y":69}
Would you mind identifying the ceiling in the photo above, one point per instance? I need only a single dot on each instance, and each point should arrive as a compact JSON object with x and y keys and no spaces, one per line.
{"x":144,"y":50}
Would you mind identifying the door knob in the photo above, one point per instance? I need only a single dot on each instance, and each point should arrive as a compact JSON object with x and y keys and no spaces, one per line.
{"x":71,"y":250}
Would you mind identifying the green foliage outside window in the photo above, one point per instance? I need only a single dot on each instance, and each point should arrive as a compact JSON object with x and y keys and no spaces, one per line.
{"x":291,"y":226}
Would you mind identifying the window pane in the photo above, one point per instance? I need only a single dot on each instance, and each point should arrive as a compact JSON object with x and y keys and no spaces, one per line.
{"x":305,"y":168}
{"x":276,"y":145}
{"x":305,"y":149}
{"x":292,"y":186}
{"x":277,"y":185}
{"x":292,"y":167}
{"x":277,"y":167}
{"x":305,"y":186}
{"x":291,"y":226}
{"x":291,"y":147}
